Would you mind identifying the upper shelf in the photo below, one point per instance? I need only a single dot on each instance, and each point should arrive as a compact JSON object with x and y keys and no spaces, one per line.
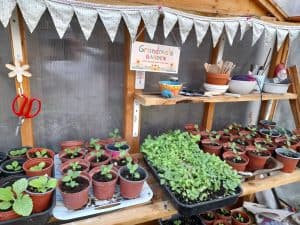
{"x":155,"y":99}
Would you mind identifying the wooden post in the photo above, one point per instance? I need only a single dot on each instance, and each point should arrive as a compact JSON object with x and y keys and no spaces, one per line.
{"x":129,"y":92}
{"x":19,"y":53}
{"x":295,"y":88}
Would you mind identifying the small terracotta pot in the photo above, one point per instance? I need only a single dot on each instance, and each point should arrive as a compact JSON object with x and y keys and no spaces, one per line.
{"x":241,"y":150}
{"x":281,"y":141}
{"x":256,"y":162}
{"x":263,"y":133}
{"x":9,"y":215}
{"x":207,"y":147}
{"x":236,"y":138}
{"x":71,"y":144}
{"x":190,"y":127}
{"x":82,"y":162}
{"x":63,"y":155}
{"x":236,"y":222}
{"x":32,"y":152}
{"x":206,"y":221}
{"x":113,"y":151}
{"x":269,"y":146}
{"x":236,"y":166}
{"x":220,"y":221}
{"x":224,"y":137}
{"x":289,"y":163}
{"x":18,"y":157}
{"x":131,"y":189}
{"x":217,"y":78}
{"x":41,"y":201}
{"x":103,"y":190}
{"x":221,"y":216}
{"x":76,"y":200}
{"x":90,"y":159}
{"x":33,"y":162}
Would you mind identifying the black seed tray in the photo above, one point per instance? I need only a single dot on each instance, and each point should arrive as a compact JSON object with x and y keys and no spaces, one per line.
{"x":197,"y":208}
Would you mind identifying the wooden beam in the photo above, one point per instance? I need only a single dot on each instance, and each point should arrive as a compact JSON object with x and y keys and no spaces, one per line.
{"x":295,"y":88}
{"x":208,"y":115}
{"x":273,"y":9}
{"x":19,"y":53}
{"x":129,"y":93}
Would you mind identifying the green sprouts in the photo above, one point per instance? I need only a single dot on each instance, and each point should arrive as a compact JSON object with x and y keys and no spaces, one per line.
{"x":38,"y":167}
{"x":41,"y":154}
{"x":75,"y":166}
{"x":43,"y":184}
{"x":14,"y":166}
{"x":115,"y":134}
{"x":240,"y":218}
{"x":259,"y":148}
{"x":132,"y":169}
{"x":105,"y":171}
{"x":18,"y":152}
{"x":72,"y":152}
{"x":97,"y":154}
{"x":94,"y":143}
{"x":70,"y":179}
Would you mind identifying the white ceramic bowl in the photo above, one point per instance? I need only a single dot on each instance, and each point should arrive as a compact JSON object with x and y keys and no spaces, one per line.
{"x":275,"y":88}
{"x":241,"y":87}
{"x":215,"y":88}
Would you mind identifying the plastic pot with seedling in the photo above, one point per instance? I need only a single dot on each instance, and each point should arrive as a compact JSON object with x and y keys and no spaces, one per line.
{"x":40,"y":153}
{"x":16,"y":153}
{"x":97,"y":158}
{"x":115,"y":148}
{"x":38,"y":167}
{"x":236,"y":159}
{"x":75,"y":165}
{"x":208,"y":217}
{"x":71,"y":153}
{"x":258,"y":156}
{"x":121,"y":160}
{"x":212,"y":145}
{"x":12,"y":167}
{"x":240,"y":218}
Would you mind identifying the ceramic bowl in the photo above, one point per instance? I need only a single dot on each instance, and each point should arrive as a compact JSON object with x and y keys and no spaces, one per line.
{"x":275,"y":88}
{"x":241,"y":87}
{"x":215,"y":88}
{"x":173,"y":86}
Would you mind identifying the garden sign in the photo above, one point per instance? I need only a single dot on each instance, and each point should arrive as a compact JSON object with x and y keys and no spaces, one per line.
{"x":154,"y":57}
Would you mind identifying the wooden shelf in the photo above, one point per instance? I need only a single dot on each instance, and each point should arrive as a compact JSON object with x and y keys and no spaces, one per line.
{"x":155,"y":99}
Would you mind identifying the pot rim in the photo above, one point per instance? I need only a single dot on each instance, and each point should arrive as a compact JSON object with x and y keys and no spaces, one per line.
{"x":84,"y":175}
{"x":34,"y":193}
{"x":288,"y":150}
{"x":134,"y":181}
{"x":97,"y":170}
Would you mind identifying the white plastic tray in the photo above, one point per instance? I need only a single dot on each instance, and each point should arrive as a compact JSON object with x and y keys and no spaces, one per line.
{"x":95,"y":206}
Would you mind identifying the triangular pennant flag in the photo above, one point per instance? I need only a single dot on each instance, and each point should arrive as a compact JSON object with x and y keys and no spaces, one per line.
{"x":281,"y":35}
{"x":150,"y":18}
{"x":270,"y":34}
{"x":185,"y":26}
{"x":201,"y":28}
{"x":244,"y":26}
{"x":61,"y":15}
{"x":231,"y":28}
{"x":132,"y":19}
{"x":32,"y":12}
{"x":87,"y":18}
{"x":6,"y":8}
{"x":111,"y":20}
{"x":293,"y":34}
{"x":216,"y":31}
{"x":169,"y":22}
{"x":258,"y":29}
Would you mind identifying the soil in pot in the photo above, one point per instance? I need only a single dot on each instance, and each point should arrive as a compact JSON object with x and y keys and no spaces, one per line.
{"x":40,"y":153}
{"x":12,"y":167}
{"x":208,"y":217}
{"x":257,"y":159}
{"x":38,"y":167}
{"x":223,"y":214}
{"x":75,"y":165}
{"x":212,"y":147}
{"x":240,"y":218}
{"x":289,"y":159}
{"x":97,"y":158}
{"x":71,"y":153}
{"x":16,"y":153}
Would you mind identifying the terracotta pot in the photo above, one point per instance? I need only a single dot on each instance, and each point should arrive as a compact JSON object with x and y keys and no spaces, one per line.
{"x":63,"y":155}
{"x":281,"y":141}
{"x":221,"y":221}
{"x":33,"y":162}
{"x":207,"y":147}
{"x":89,"y":148}
{"x":236,"y":166}
{"x":244,"y":215}
{"x":217,"y":78}
{"x":31,"y":152}
{"x":78,"y":199}
{"x":18,"y":157}
{"x":103,"y":190}
{"x":265,"y":132}
{"x":241,"y":150}
{"x":131,"y":189}
{"x":289,"y":163}
{"x":269,"y":146}
{"x":41,"y":201}
{"x":224,"y":137}
{"x":90,"y":159}
{"x":205,"y":220}
{"x":237,"y":139}
{"x":82,"y":162}
{"x":9,"y":215}
{"x":256,"y":162}
{"x":71,"y":144}
{"x":6,"y":172}
{"x":221,"y":216}
{"x":113,"y":151}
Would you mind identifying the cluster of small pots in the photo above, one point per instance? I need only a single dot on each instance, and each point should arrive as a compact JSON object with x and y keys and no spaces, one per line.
{"x":17,"y":163}
{"x":249,"y":148}
{"x":90,"y":168}
{"x":225,"y":217}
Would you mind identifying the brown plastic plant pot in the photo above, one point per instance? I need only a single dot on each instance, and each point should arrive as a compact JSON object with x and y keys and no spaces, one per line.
{"x":33,"y":162}
{"x":207,"y":147}
{"x":41,"y":201}
{"x":281,"y":141}
{"x":8,"y":215}
{"x":31,"y":152}
{"x":221,"y":216}
{"x":71,"y":144}
{"x":221,"y":221}
{"x":206,"y":221}
{"x":63,"y":155}
{"x":236,"y":222}
{"x":289,"y":163}
{"x":131,"y":189}
{"x":64,"y":167}
{"x":236,"y":166}
{"x":89,"y":157}
{"x":78,"y":199}
{"x":103,"y":190}
{"x":217,"y":78}
{"x":256,"y":162}
{"x":226,"y":148}
{"x":224,"y":137}
{"x":269,"y":146}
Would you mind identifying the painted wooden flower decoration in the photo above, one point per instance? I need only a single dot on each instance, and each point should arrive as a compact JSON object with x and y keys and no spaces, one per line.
{"x":18,"y":71}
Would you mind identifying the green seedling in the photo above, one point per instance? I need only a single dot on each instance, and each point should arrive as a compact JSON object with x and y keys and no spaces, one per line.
{"x":94,"y":143}
{"x":259,"y":148}
{"x":224,"y":212}
{"x":105,"y":171}
{"x":41,"y":154}
{"x":115,"y":134}
{"x":97,"y":154}
{"x":72,"y":153}
{"x":240,"y":218}
{"x":43,"y":184}
{"x":75,"y":166}
{"x":18,"y":152}
{"x":15,"y":199}
{"x":38,"y":167}
{"x":120,"y":144}
{"x":70,"y":179}
{"x":132,"y":169}
{"x":177,"y":222}
{"x":14,"y":166}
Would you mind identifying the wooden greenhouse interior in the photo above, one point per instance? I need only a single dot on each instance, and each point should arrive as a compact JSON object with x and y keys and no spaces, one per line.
{"x":136,"y":101}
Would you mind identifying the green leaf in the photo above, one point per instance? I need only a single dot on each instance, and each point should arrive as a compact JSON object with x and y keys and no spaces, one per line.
{"x":5,"y":205}
{"x":20,"y":186}
{"x":52,"y":183}
{"x":6,"y":194}
{"x":23,"y":205}
{"x":9,"y":167}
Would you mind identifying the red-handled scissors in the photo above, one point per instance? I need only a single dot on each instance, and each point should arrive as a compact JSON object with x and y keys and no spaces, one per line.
{"x":26,"y":105}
